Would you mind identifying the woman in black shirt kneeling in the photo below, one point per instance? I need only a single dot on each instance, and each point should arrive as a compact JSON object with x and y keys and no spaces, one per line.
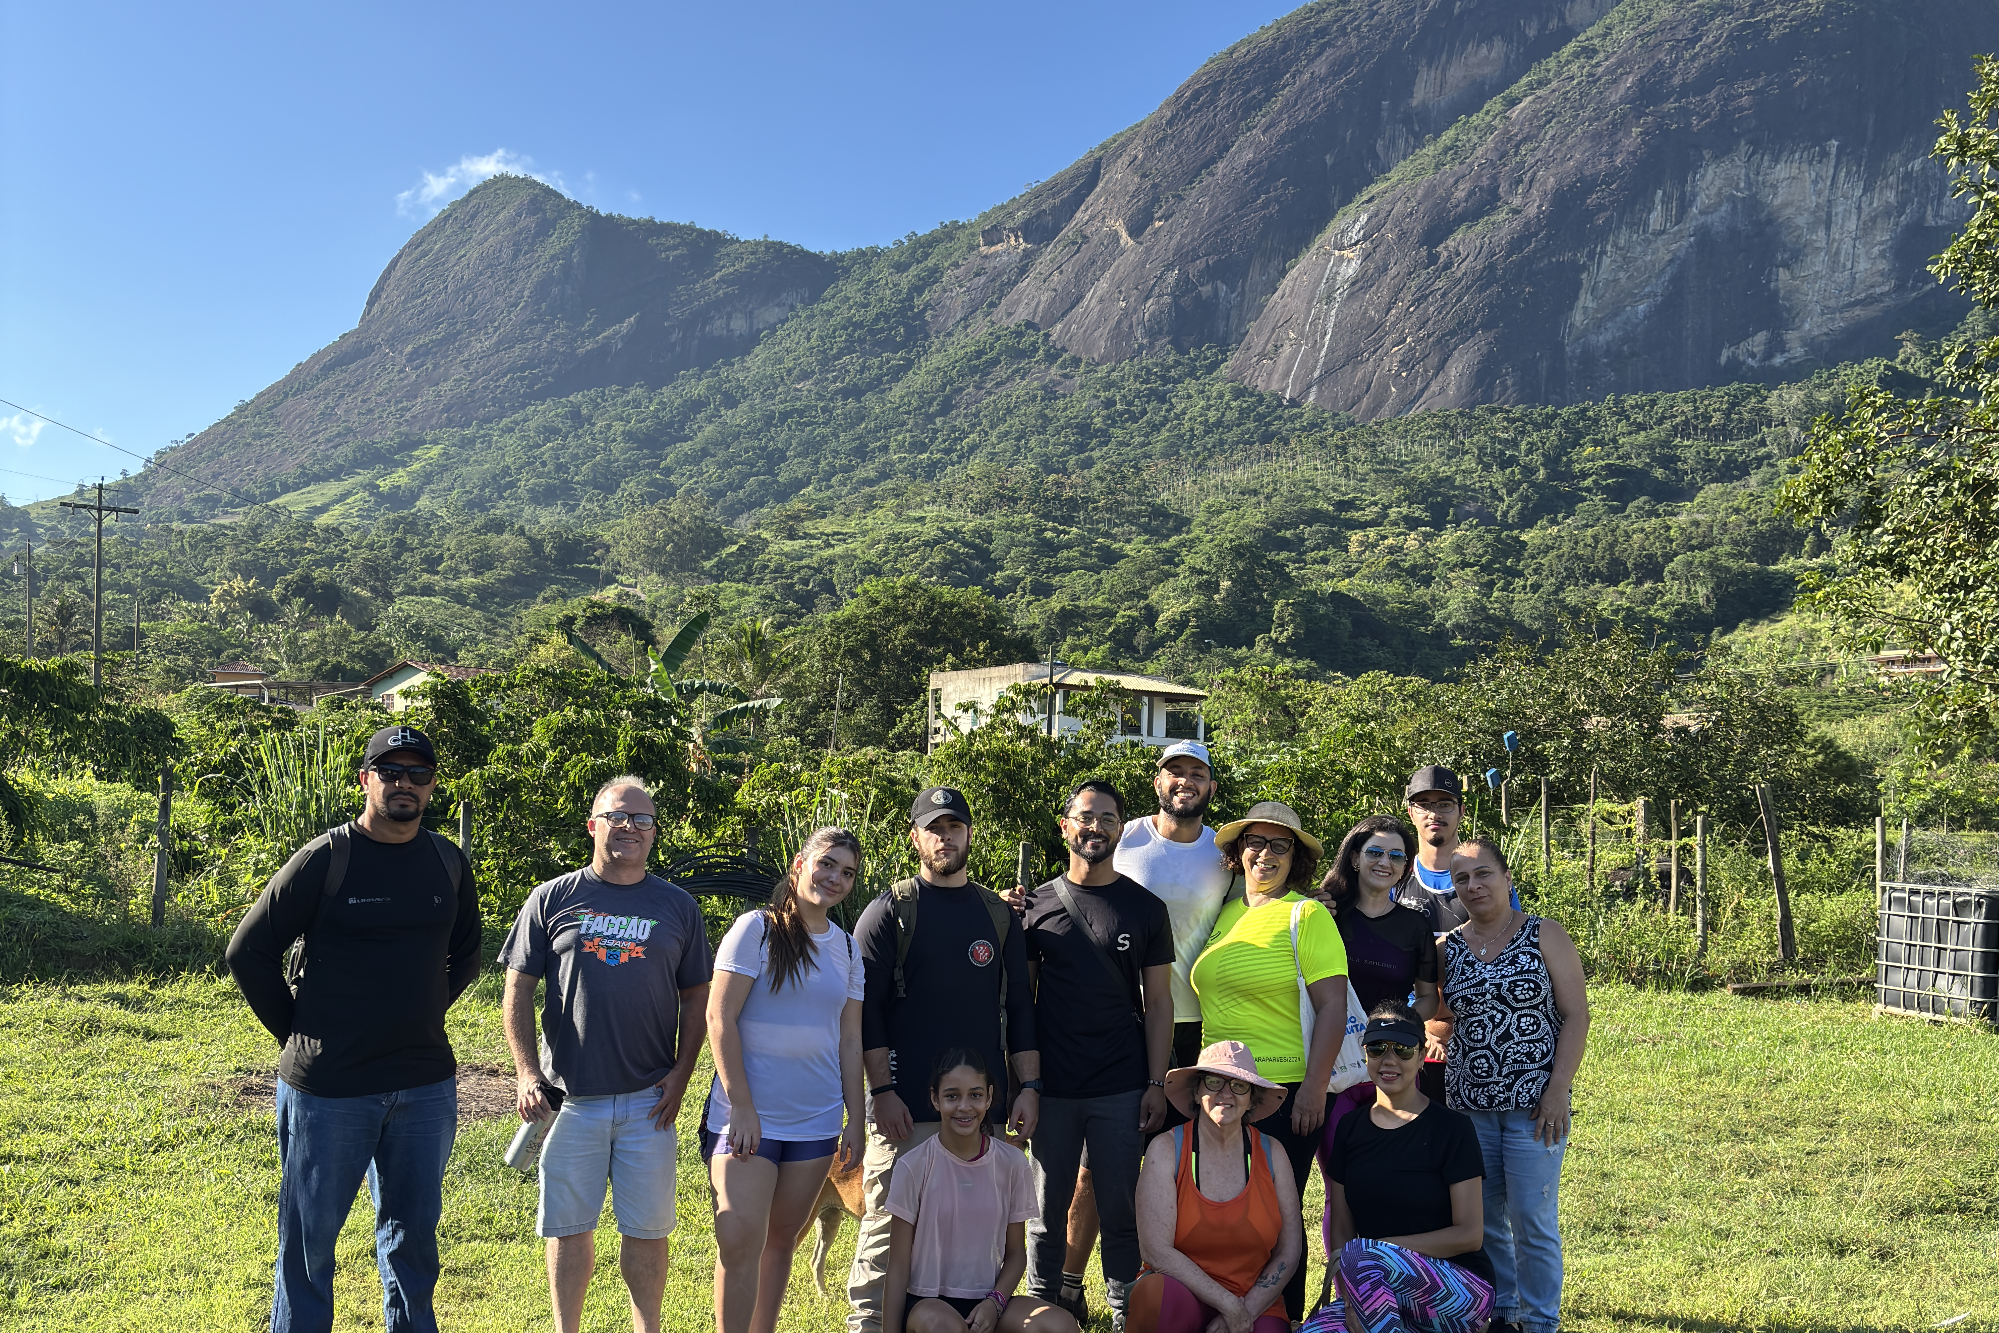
{"x":1403,"y":1189}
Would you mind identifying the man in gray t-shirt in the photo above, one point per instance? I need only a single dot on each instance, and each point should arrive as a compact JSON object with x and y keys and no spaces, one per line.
{"x":626,"y":963}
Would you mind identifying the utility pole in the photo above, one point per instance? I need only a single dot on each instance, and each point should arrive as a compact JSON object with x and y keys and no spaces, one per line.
{"x":135,"y":624}
{"x":98,"y":510}
{"x":24,"y":564}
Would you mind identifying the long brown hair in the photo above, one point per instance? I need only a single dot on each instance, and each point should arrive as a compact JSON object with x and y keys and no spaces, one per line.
{"x":791,"y":947}
{"x":1343,"y":880}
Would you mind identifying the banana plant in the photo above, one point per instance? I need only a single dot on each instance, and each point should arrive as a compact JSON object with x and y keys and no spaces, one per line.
{"x":739,"y":706}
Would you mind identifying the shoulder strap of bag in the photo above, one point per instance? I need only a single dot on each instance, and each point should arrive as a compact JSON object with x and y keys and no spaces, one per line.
{"x":453,"y":858}
{"x":339,"y":842}
{"x":1297,"y":962}
{"x":902,"y":905}
{"x":1097,"y":946}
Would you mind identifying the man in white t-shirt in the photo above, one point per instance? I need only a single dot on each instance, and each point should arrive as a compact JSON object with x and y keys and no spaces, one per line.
{"x":1173,"y":854}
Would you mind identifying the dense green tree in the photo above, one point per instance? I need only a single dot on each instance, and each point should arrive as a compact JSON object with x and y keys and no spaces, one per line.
{"x":1914,"y":482}
{"x":871,"y":659}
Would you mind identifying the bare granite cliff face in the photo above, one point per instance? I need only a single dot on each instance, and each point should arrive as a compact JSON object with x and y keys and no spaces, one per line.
{"x":1691,"y":192}
{"x":1175,"y":233}
{"x":513,"y":294}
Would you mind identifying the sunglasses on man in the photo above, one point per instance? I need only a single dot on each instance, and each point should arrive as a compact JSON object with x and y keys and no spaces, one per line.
{"x":418,"y":775}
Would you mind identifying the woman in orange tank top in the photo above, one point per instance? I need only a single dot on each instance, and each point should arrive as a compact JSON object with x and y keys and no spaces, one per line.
{"x":1218,"y":1221}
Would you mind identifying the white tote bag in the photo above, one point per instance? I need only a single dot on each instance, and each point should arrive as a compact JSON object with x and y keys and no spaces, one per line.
{"x":1350,"y":1065}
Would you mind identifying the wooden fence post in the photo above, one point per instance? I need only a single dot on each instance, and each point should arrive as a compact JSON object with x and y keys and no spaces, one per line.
{"x":465,"y":828}
{"x":1547,"y":866}
{"x":1673,"y":857}
{"x":1589,"y":859}
{"x":163,"y":848}
{"x":1787,"y":940}
{"x":1700,"y":885}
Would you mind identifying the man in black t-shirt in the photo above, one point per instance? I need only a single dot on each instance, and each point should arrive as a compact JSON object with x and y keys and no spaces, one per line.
{"x":389,"y":919}
{"x":1101,"y":950}
{"x":945,"y":961}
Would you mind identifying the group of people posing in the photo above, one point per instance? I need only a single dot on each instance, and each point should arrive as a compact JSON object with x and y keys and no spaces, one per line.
{"x":1141,"y":1056}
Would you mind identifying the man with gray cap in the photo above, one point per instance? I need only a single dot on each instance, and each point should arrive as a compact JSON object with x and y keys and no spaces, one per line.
{"x":386,"y":917}
{"x":945,"y":963}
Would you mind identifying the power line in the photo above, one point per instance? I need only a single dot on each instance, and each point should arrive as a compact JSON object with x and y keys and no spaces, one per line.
{"x":143,"y":460}
{"x":15,"y":472}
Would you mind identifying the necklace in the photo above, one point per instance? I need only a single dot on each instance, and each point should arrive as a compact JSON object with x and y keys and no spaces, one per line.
{"x":1490,"y":944}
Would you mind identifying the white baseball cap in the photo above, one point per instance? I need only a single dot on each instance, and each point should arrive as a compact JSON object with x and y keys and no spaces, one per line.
{"x":1185,"y":750}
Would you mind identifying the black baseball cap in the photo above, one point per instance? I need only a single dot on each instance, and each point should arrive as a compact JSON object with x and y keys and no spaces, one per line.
{"x":1435,"y":778}
{"x":933,"y":802}
{"x":390,"y":739}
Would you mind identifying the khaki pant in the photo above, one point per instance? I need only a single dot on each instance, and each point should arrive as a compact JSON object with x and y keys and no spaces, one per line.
{"x":864,"y":1279}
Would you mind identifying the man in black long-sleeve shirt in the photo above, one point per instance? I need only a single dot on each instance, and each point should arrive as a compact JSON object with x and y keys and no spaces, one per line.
{"x":965,"y":951}
{"x":367,"y":1082}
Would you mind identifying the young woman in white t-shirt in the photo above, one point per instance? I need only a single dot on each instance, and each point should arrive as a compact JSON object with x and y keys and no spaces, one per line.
{"x":784,"y":1022}
{"x":960,"y":1204}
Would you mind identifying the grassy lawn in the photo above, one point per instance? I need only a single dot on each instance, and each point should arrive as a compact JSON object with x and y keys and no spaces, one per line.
{"x":1738,"y":1164}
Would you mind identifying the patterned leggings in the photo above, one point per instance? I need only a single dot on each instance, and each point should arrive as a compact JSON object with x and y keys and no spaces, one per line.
{"x":1393,"y":1289}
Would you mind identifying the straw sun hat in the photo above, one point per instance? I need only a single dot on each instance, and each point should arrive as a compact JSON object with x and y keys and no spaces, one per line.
{"x":1268,"y":812}
{"x":1230,"y":1059}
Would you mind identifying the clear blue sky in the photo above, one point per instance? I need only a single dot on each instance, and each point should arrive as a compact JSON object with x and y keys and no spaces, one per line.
{"x":197,"y":197}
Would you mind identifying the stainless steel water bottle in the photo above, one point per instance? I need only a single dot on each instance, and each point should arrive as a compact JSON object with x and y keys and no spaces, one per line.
{"x":527,"y":1139}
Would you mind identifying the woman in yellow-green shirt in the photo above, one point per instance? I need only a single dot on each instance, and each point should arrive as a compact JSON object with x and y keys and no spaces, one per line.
{"x":1246,"y":978}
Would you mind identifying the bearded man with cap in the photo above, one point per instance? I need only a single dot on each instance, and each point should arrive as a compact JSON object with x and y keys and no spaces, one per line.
{"x":945,"y":964}
{"x":387,"y":920}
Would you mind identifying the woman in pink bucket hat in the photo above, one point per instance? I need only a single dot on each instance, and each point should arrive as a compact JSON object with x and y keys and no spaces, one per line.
{"x":1218,"y":1220}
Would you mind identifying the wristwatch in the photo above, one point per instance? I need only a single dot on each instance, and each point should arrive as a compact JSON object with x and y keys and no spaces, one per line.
{"x":1030,"y":1085}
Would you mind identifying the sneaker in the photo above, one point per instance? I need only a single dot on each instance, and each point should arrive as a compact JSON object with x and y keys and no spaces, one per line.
{"x":1071,"y":1299}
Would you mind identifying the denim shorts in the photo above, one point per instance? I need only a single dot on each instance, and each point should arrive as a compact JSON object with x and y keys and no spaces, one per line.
{"x":775,"y":1151}
{"x":597,"y":1141}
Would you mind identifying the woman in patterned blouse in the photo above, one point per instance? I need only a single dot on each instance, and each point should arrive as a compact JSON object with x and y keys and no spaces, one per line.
{"x":1515,"y":984}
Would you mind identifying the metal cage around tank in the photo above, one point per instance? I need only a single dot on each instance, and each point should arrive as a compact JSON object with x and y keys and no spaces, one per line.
{"x":1937,"y":950}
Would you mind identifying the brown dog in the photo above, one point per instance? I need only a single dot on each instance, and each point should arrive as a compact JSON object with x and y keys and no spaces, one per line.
{"x":840,"y":1197}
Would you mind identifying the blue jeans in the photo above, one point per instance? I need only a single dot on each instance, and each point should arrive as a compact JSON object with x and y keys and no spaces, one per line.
{"x":1523,"y":1235}
{"x":398,"y":1141}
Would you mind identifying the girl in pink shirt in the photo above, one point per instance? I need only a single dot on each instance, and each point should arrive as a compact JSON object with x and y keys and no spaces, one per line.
{"x":960,"y":1204}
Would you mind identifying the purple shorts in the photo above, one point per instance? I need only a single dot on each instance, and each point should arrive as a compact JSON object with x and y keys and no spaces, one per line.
{"x":775,"y":1151}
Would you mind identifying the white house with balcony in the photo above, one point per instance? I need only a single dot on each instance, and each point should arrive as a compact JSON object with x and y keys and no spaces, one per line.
{"x":1165,"y":711}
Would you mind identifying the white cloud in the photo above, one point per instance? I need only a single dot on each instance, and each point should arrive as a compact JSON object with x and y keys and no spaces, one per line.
{"x":440,"y":188}
{"x":23,"y":429}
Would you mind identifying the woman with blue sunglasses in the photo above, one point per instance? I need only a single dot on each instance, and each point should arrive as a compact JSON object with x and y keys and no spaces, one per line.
{"x":1391,"y":954}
